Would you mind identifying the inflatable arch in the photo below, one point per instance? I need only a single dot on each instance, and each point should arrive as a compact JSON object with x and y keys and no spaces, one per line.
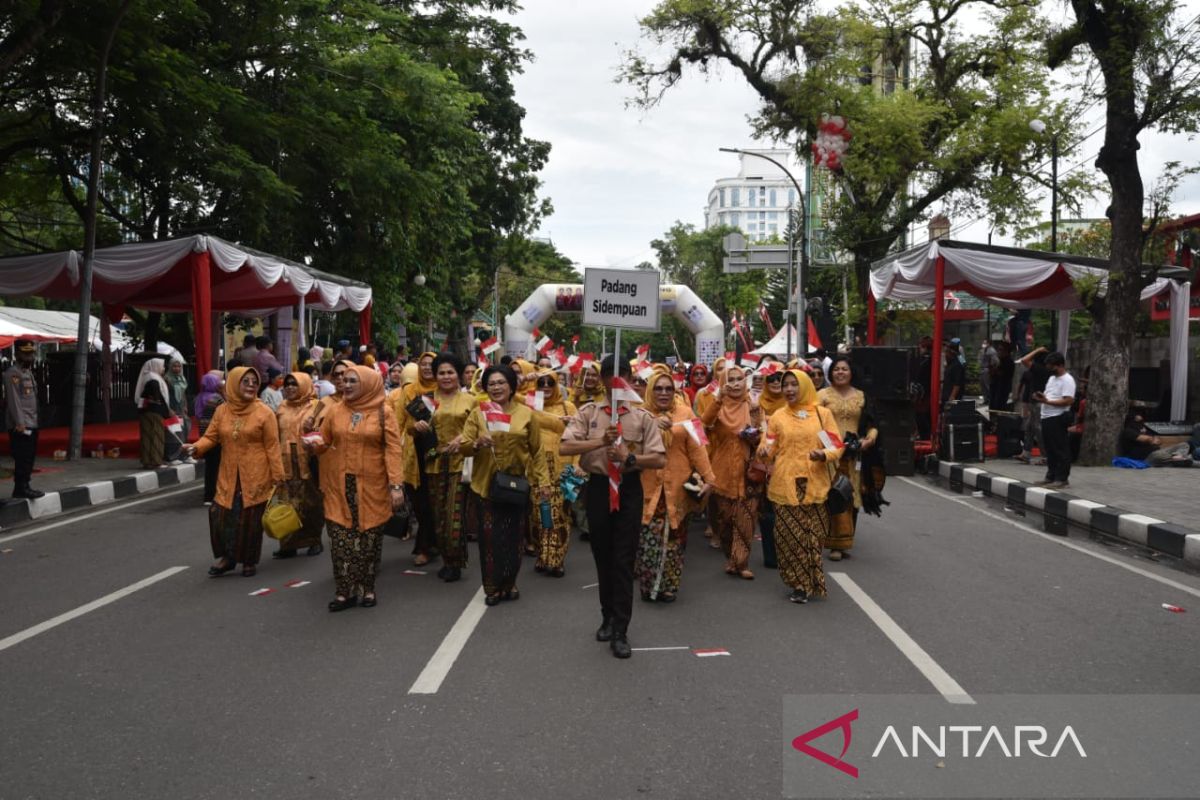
{"x":567,"y":298}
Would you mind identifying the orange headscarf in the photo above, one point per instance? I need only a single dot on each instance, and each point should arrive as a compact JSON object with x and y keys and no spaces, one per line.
{"x":370,"y":390}
{"x":239,"y":405}
{"x":304,"y":390}
{"x":735,"y":414}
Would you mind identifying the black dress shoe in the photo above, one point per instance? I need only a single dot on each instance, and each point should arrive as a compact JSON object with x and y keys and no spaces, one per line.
{"x":284,"y":554}
{"x":452,"y":574}
{"x":369,"y":602}
{"x":27,"y":492}
{"x":342,"y":605}
{"x":491,"y":599}
{"x":557,"y":572}
{"x":605,"y":632}
{"x":620,"y":646}
{"x":316,"y":550}
{"x":441,"y":573}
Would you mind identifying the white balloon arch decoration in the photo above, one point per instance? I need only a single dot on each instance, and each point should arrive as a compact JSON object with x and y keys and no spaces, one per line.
{"x":567,"y":298}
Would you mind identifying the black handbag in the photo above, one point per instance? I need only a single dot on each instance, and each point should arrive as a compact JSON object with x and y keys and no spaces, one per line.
{"x":418,"y":410}
{"x":509,"y":489}
{"x":841,"y":495}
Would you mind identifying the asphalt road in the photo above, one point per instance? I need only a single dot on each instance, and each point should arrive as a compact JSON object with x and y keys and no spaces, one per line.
{"x":189,"y":687}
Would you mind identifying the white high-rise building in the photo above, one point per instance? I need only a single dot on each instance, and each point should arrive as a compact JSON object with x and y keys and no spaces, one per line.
{"x":757,"y":199}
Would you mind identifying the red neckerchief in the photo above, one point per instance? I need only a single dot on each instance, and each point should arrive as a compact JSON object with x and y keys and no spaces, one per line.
{"x":621,"y":411}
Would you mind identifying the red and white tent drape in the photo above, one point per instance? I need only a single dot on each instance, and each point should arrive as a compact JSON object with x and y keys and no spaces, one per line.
{"x":1018,"y":279}
{"x":198,"y":274}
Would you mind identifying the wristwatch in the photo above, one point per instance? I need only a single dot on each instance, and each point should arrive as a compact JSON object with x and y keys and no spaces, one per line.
{"x":630,"y":461}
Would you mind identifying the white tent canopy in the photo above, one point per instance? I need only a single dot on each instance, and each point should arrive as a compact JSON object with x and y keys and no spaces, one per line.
{"x":51,"y":326}
{"x":783,"y":342}
{"x":1016,"y":278}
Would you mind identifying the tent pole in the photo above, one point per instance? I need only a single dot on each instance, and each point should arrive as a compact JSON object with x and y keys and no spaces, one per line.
{"x":871,"y":332}
{"x":1180,"y":294}
{"x":202,"y":309}
{"x":935,"y":372}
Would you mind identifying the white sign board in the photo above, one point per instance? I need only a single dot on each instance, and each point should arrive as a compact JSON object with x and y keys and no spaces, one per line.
{"x":621,"y":298}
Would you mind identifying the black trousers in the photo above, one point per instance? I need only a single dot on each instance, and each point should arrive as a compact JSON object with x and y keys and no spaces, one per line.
{"x":1057,"y":444}
{"x":614,"y":540}
{"x":212,"y":468}
{"x":23,"y":448}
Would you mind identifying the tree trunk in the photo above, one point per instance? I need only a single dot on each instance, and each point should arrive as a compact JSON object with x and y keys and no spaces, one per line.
{"x":1108,"y":386}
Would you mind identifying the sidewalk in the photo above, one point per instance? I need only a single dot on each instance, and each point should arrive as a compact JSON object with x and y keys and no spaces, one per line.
{"x":71,"y":485}
{"x":1155,"y":508}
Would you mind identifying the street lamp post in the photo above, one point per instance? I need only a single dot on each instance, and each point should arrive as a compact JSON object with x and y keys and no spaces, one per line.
{"x":1039,"y":127}
{"x":801,"y":325}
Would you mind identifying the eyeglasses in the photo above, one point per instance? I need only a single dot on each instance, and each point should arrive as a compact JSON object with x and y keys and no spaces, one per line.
{"x":545,"y":384}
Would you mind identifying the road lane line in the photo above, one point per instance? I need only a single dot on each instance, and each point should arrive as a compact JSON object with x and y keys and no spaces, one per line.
{"x":117,"y":507}
{"x":75,"y":613}
{"x":1060,"y":541}
{"x":941,"y":680}
{"x":430,"y":679}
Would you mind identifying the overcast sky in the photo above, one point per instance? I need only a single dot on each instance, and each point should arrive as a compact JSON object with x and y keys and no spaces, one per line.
{"x":619,"y":177}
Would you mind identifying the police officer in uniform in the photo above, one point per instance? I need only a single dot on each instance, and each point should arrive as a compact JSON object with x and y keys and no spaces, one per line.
{"x":21,"y":417}
{"x":637,"y":445}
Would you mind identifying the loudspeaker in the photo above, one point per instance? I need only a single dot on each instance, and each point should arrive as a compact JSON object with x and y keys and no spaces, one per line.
{"x":897,"y":455}
{"x":895,"y":418}
{"x":962,"y":442}
{"x":1009,"y":430}
{"x":882,"y":372}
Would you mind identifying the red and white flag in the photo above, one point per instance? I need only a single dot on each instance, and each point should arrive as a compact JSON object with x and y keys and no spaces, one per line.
{"x":498,"y":421}
{"x":730,"y":357}
{"x":490,"y":346}
{"x":614,"y":476}
{"x":713,"y":388}
{"x":695,"y":429}
{"x":173,"y":424}
{"x":543,"y":342}
{"x":622,"y":392}
{"x":558,"y":358}
{"x":483,"y":362}
{"x":814,"y":339}
{"x":587,"y":359}
{"x":574,"y":341}
{"x":430,"y":403}
{"x":574,"y":364}
{"x":536,"y":400}
{"x":750,"y":361}
{"x":771,"y":368}
{"x":831,"y":441}
{"x":643,"y":369}
{"x":643,"y":352}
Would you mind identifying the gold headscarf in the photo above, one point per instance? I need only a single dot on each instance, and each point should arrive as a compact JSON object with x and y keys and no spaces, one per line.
{"x":806,"y":399}
{"x":770,"y":403}
{"x":554,"y":397}
{"x":425,"y":387}
{"x":304,"y":390}
{"x":409,"y":373}
{"x":649,"y":405}
{"x":239,"y":405}
{"x":579,"y":395}
{"x":370,"y":390}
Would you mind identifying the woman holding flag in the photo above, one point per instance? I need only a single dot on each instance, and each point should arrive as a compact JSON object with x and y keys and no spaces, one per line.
{"x":772,"y":400}
{"x":707,"y":395}
{"x":300,"y":479}
{"x":551,"y":410}
{"x":732,"y":420}
{"x":666,"y":506}
{"x":251,"y":469}
{"x":802,"y":443}
{"x":447,"y":492}
{"x":505,"y":440}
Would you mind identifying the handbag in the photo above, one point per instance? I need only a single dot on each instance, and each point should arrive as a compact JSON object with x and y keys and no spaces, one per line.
{"x":841,"y":491}
{"x":509,"y":489}
{"x":280,"y":519}
{"x":418,"y":410}
{"x":756,"y":471}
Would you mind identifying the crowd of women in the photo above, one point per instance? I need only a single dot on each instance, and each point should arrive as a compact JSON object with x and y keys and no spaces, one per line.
{"x":440,"y":453}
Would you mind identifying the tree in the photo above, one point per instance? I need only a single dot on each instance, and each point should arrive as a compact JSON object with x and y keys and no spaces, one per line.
{"x":938,"y":117}
{"x":1146,"y":55}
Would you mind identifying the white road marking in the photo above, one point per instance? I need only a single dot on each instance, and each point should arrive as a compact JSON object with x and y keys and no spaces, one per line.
{"x":590,"y":586}
{"x":118,"y":507}
{"x":1060,"y":541}
{"x":657,"y":649}
{"x":54,"y":622}
{"x":941,"y":680}
{"x":430,"y":679}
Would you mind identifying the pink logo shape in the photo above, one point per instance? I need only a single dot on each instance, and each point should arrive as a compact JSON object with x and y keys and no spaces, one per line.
{"x":801,"y":743}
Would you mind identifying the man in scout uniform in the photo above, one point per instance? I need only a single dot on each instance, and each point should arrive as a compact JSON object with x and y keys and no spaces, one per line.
{"x":612,"y":456}
{"x":21,"y":417}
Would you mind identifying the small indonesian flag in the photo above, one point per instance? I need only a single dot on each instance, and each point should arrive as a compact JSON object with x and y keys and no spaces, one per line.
{"x":771,"y":368}
{"x":679,"y":383}
{"x":543,"y":342}
{"x":430,"y":403}
{"x":730,"y":357}
{"x":622,"y":392}
{"x":574,"y":364}
{"x":587,"y":359}
{"x":830,"y":441}
{"x":1174,"y":609}
{"x":558,"y":358}
{"x":296,"y":583}
{"x":497,"y":421}
{"x":173,"y":424}
{"x":313,"y":438}
{"x":708,"y":652}
{"x":643,"y":352}
{"x":574,"y":340}
{"x":695,"y":429}
{"x":490,"y":346}
{"x":536,"y":400}
{"x":750,"y":361}
{"x":483,"y":362}
{"x":713,"y":388}
{"x":644,"y":369}
{"x":814,"y":339}
{"x":261,"y":592}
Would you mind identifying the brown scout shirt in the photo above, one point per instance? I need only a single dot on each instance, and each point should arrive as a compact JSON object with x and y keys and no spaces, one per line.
{"x":638,"y":429}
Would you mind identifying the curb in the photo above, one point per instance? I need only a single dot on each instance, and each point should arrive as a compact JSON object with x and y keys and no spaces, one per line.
{"x":17,"y":512}
{"x":1058,"y":509}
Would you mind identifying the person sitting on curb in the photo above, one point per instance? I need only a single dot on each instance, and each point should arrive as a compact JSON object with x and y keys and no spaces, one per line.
{"x":1139,"y":443}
